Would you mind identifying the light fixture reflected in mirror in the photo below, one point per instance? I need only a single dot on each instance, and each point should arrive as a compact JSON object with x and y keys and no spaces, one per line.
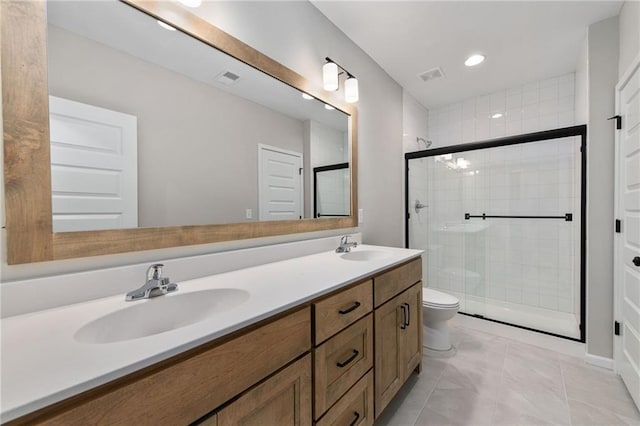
{"x":191,"y":3}
{"x":331,"y":82}
{"x":307,"y":97}
{"x":166,"y":26}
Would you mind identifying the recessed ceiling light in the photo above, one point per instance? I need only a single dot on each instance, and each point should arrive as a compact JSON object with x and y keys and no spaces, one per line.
{"x":166,"y":26}
{"x":329,"y":107}
{"x":307,"y":97}
{"x":191,"y":3}
{"x":497,"y":115}
{"x":474,"y":60}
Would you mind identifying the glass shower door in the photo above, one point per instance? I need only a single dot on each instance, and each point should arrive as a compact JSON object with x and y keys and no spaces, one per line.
{"x":501,"y":229}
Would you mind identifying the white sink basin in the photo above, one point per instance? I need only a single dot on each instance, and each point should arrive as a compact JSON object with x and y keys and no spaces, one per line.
{"x":364,"y":255}
{"x":160,"y":314}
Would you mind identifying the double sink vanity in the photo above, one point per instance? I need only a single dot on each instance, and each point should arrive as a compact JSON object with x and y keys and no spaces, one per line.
{"x":323,"y":339}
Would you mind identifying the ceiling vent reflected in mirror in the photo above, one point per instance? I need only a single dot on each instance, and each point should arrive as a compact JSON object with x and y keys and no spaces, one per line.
{"x":431,"y":74}
{"x":227,"y":78}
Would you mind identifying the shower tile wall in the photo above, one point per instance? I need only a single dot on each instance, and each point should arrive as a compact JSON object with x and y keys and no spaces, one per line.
{"x":525,"y":261}
{"x":541,"y":105}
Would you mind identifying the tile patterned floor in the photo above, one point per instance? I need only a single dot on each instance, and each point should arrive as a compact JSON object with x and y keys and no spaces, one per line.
{"x":492,"y":380}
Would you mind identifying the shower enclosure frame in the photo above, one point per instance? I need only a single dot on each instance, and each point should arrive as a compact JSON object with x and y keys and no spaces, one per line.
{"x":320,"y":169}
{"x":581,"y":131}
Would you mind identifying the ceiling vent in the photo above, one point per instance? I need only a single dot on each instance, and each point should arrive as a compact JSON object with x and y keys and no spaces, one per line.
{"x":227,"y":77}
{"x":431,"y":74}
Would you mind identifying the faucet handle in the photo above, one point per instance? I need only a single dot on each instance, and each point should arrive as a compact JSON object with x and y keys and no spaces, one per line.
{"x":155,"y":272}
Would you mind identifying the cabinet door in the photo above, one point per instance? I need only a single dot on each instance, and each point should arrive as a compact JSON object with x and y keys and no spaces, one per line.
{"x":389,"y":359}
{"x":283,"y":399}
{"x":411,"y":346}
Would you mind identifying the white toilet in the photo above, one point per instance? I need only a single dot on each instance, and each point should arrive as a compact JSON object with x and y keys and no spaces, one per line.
{"x":438,"y":308}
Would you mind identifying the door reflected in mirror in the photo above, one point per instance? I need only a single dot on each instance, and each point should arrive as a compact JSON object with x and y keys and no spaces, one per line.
{"x":153,"y":128}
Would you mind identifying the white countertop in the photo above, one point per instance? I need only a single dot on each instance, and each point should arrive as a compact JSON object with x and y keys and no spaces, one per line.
{"x":42,"y":363}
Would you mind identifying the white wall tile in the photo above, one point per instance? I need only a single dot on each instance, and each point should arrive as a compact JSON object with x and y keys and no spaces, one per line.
{"x":525,"y":263}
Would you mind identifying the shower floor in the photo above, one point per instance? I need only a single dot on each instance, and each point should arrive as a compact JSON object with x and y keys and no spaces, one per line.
{"x":561,"y":323}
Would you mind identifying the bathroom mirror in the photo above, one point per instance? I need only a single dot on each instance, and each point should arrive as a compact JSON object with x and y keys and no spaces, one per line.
{"x":207,"y":117}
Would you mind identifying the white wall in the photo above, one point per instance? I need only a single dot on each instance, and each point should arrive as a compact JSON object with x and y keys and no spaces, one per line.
{"x":603,"y":76}
{"x":299,"y":36}
{"x":582,"y":83}
{"x":629,"y":37}
{"x":415,"y":123}
{"x":539,"y":105}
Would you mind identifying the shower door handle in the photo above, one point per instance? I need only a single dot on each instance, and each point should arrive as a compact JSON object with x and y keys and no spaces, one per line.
{"x":636,"y":261}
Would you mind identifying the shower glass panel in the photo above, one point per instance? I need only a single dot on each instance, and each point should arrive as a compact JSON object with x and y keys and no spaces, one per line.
{"x":332,"y":197}
{"x":501,"y":225}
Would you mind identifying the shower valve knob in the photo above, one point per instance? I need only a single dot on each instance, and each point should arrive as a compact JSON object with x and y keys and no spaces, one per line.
{"x":636,"y":260}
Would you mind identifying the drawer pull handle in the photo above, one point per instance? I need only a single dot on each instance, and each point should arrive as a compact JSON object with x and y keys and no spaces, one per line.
{"x":356,"y":417}
{"x":404,"y":316}
{"x":408,"y":314}
{"x":348,"y":360}
{"x":351,"y":308}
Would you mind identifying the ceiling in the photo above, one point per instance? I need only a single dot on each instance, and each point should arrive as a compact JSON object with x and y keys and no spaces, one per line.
{"x":523,"y":41}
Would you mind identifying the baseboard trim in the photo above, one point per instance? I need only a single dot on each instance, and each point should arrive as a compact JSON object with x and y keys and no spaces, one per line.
{"x":599,"y":361}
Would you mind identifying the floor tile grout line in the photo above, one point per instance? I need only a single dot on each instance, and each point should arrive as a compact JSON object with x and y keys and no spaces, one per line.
{"x":564,"y":388}
{"x":430,"y":393}
{"x":504,"y":361}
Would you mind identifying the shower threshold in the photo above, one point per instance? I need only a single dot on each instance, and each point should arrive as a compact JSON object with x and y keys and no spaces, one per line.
{"x":548,"y":321}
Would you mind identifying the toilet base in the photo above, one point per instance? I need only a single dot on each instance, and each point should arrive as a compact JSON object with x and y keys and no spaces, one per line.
{"x":436,"y":336}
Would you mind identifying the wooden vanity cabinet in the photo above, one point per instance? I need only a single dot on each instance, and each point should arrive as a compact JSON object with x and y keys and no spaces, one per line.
{"x":282,"y":399}
{"x":343,"y":356}
{"x":182,"y":390}
{"x":338,"y":360}
{"x":398,"y":332}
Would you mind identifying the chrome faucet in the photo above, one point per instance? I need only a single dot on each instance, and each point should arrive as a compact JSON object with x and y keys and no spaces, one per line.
{"x":156,"y":285}
{"x":345,"y":246}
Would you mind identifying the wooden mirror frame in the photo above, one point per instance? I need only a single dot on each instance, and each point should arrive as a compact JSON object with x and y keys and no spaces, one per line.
{"x":27,"y":167}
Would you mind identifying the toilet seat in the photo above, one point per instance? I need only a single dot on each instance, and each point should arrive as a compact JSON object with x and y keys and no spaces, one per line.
{"x":435,"y":299}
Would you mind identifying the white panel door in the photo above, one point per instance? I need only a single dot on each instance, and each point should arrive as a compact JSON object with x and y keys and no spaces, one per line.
{"x":627,"y":256}
{"x":94,"y":167}
{"x":280,"y":183}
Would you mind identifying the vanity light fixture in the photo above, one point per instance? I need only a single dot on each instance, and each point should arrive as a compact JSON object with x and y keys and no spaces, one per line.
{"x":330,"y":80}
{"x":166,"y":26}
{"x":497,"y":115}
{"x":474,"y":60}
{"x":307,"y":97}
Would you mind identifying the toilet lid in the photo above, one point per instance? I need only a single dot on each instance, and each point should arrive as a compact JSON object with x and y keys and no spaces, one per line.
{"x":438,"y":298}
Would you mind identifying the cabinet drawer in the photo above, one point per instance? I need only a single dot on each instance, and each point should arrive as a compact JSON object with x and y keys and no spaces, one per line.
{"x":282,"y":399}
{"x":355,"y":408}
{"x":396,"y":281}
{"x":340,"y":362}
{"x":183,"y":392}
{"x":338,"y":311}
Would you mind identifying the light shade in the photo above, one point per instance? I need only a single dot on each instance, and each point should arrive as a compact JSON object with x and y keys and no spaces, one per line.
{"x":351,"y":94}
{"x":330,"y":76}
